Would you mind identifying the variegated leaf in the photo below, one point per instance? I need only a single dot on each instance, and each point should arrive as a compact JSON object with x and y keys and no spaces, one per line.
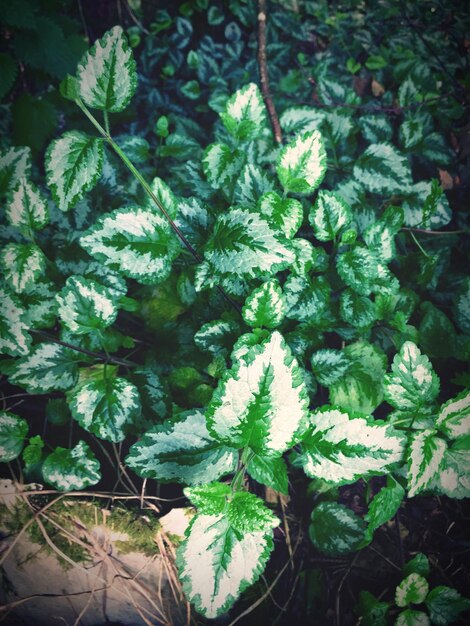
{"x":445,"y":605}
{"x":425,"y":459}
{"x":217,"y":337}
{"x":414,"y":207}
{"x":376,"y":128}
{"x":380,"y":235}
{"x":308,"y":258}
{"x":301,"y":165}
{"x":252,"y":183}
{"x":40,"y":305}
{"x":182,"y":451}
{"x":262,"y":401}
{"x":341,"y":449}
{"x":73,"y":165}
{"x":105,"y":407}
{"x":85,"y":305}
{"x":48,"y":367}
{"x":335,"y":529}
{"x":358,"y":269}
{"x":245,"y":114}
{"x":284,"y":213}
{"x":106,"y":75}
{"x":69,"y":470}
{"x":266,"y":306}
{"x":222,"y":165}
{"x":136,"y":242}
{"x":329,"y":215}
{"x":454,"y":416}
{"x":14,"y":338}
{"x":22,"y":264}
{"x":383,"y":169}
{"x":412,"y":382}
{"x":411,"y":133}
{"x":307,"y":299}
{"x":13,"y":431}
{"x":301,"y":119}
{"x":410,"y":617}
{"x":244,"y":245}
{"x":27,"y":208}
{"x":224,"y":552}
{"x":359,"y":311}
{"x":15,"y":164}
{"x":329,"y":365}
{"x":462,"y":307}
{"x":412,"y":590}
{"x":165,"y":196}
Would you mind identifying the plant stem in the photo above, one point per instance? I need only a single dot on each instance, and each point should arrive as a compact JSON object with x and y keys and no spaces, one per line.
{"x":106,"y":122}
{"x":463,"y":231}
{"x":263,"y":71}
{"x":419,"y":245}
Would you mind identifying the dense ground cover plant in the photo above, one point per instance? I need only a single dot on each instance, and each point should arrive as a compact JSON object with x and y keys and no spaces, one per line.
{"x":302,"y":296}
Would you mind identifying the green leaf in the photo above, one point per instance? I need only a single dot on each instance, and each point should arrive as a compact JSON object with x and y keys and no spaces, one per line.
{"x":410,"y":617}
{"x":224,"y":553}
{"x":153,"y":393}
{"x":262,"y":401}
{"x":47,"y":367}
{"x":32,"y":453}
{"x":285,"y":213}
{"x":73,"y":164}
{"x":341,"y":449}
{"x":105,"y":407}
{"x":15,"y":164}
{"x":462,"y":307}
{"x":69,"y":470}
{"x":301,"y":165}
{"x":23,"y":264}
{"x":329,"y":215}
{"x":136,"y":242}
{"x":419,"y":564}
{"x":308,"y":299}
{"x":8,"y":72}
{"x":384,"y":505}
{"x":222,"y":165}
{"x":412,"y":590}
{"x":335,"y":529}
{"x":454,"y":416}
{"x":244,"y":245}
{"x":85,"y":305}
{"x":265,"y":306}
{"x":453,"y":479}
{"x":412,"y":382}
{"x":217,"y":337}
{"x":209,"y":499}
{"x":383,"y":169}
{"x":425,"y":209}
{"x":270,"y":472}
{"x":411,"y":133}
{"x":375,"y":128}
{"x":329,"y":365}
{"x":27,"y":208}
{"x":379,"y":236}
{"x":13,"y":431}
{"x":34,"y":121}
{"x":358,"y":269}
{"x":371,"y":611}
{"x":106,"y":75}
{"x":14,"y":338}
{"x":183,"y":451}
{"x":251,"y":183}
{"x":425,"y":459}
{"x":245,"y":114}
{"x":445,"y":605}
{"x":375,"y":62}
{"x":359,"y":311}
{"x":40,"y":305}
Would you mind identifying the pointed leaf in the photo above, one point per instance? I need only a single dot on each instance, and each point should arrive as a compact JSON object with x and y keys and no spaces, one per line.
{"x":252,"y":183}
{"x":383,"y":169}
{"x":221,"y":165}
{"x":15,"y":164}
{"x":412,"y":382}
{"x":182,"y":451}
{"x":358,"y":269}
{"x":341,"y":449}
{"x":359,"y":311}
{"x":384,"y":505}
{"x":107,"y":408}
{"x":13,"y":431}
{"x":134,"y":241}
{"x":412,"y":590}
{"x":69,"y":470}
{"x":23,"y":264}
{"x":73,"y":165}
{"x":425,"y":459}
{"x":329,"y":365}
{"x":419,"y":564}
{"x":269,"y":472}
{"x":217,"y":337}
{"x":245,"y":114}
{"x":301,"y":119}
{"x":14,"y":338}
{"x":262,"y":401}
{"x":106,"y":75}
{"x":335,"y":529}
{"x":285,"y":213}
{"x":27,"y":208}
{"x":301,"y":165}
{"x":454,"y":416}
{"x":409,"y":617}
{"x":445,"y":605}
{"x":329,"y":215}
{"x":307,"y":299}
{"x":266,"y":306}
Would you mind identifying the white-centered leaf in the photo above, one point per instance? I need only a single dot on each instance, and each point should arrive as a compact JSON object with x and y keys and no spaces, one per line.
{"x":69,"y":470}
{"x":22,"y":264}
{"x":217,"y":337}
{"x":410,"y":617}
{"x":358,"y":269}
{"x":40,"y":305}
{"x":412,"y":590}
{"x":14,"y":338}
{"x":301,"y":165}
{"x":341,"y":449}
{"x":329,"y":215}
{"x":13,"y":431}
{"x":224,"y":552}
{"x":244,"y":245}
{"x":375,"y":128}
{"x":454,"y":416}
{"x":329,"y":365}
{"x":335,"y":529}
{"x":245,"y":114}
{"x":105,"y":407}
{"x":359,"y":311}
{"x":265,"y":306}
{"x":252,"y":183}
{"x":15,"y":164}
{"x":85,"y":305}
{"x":425,"y":459}
{"x":301,"y":119}
{"x":182,"y":451}
{"x":412,"y":382}
{"x":383,"y":169}
{"x":48,"y":367}
{"x":136,"y":242}
{"x":414,"y":207}
{"x":27,"y":208}
{"x":411,"y":133}
{"x":222,"y":165}
{"x":106,"y":75}
{"x":285,"y":213}
{"x":262,"y":401}
{"x":307,"y":299}
{"x":73,"y":165}
{"x":380,"y":235}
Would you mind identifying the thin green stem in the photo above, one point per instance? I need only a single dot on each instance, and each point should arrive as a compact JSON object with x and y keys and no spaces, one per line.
{"x":419,"y":245}
{"x":463,"y":231}
{"x":246,"y":456}
{"x":106,"y":122}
